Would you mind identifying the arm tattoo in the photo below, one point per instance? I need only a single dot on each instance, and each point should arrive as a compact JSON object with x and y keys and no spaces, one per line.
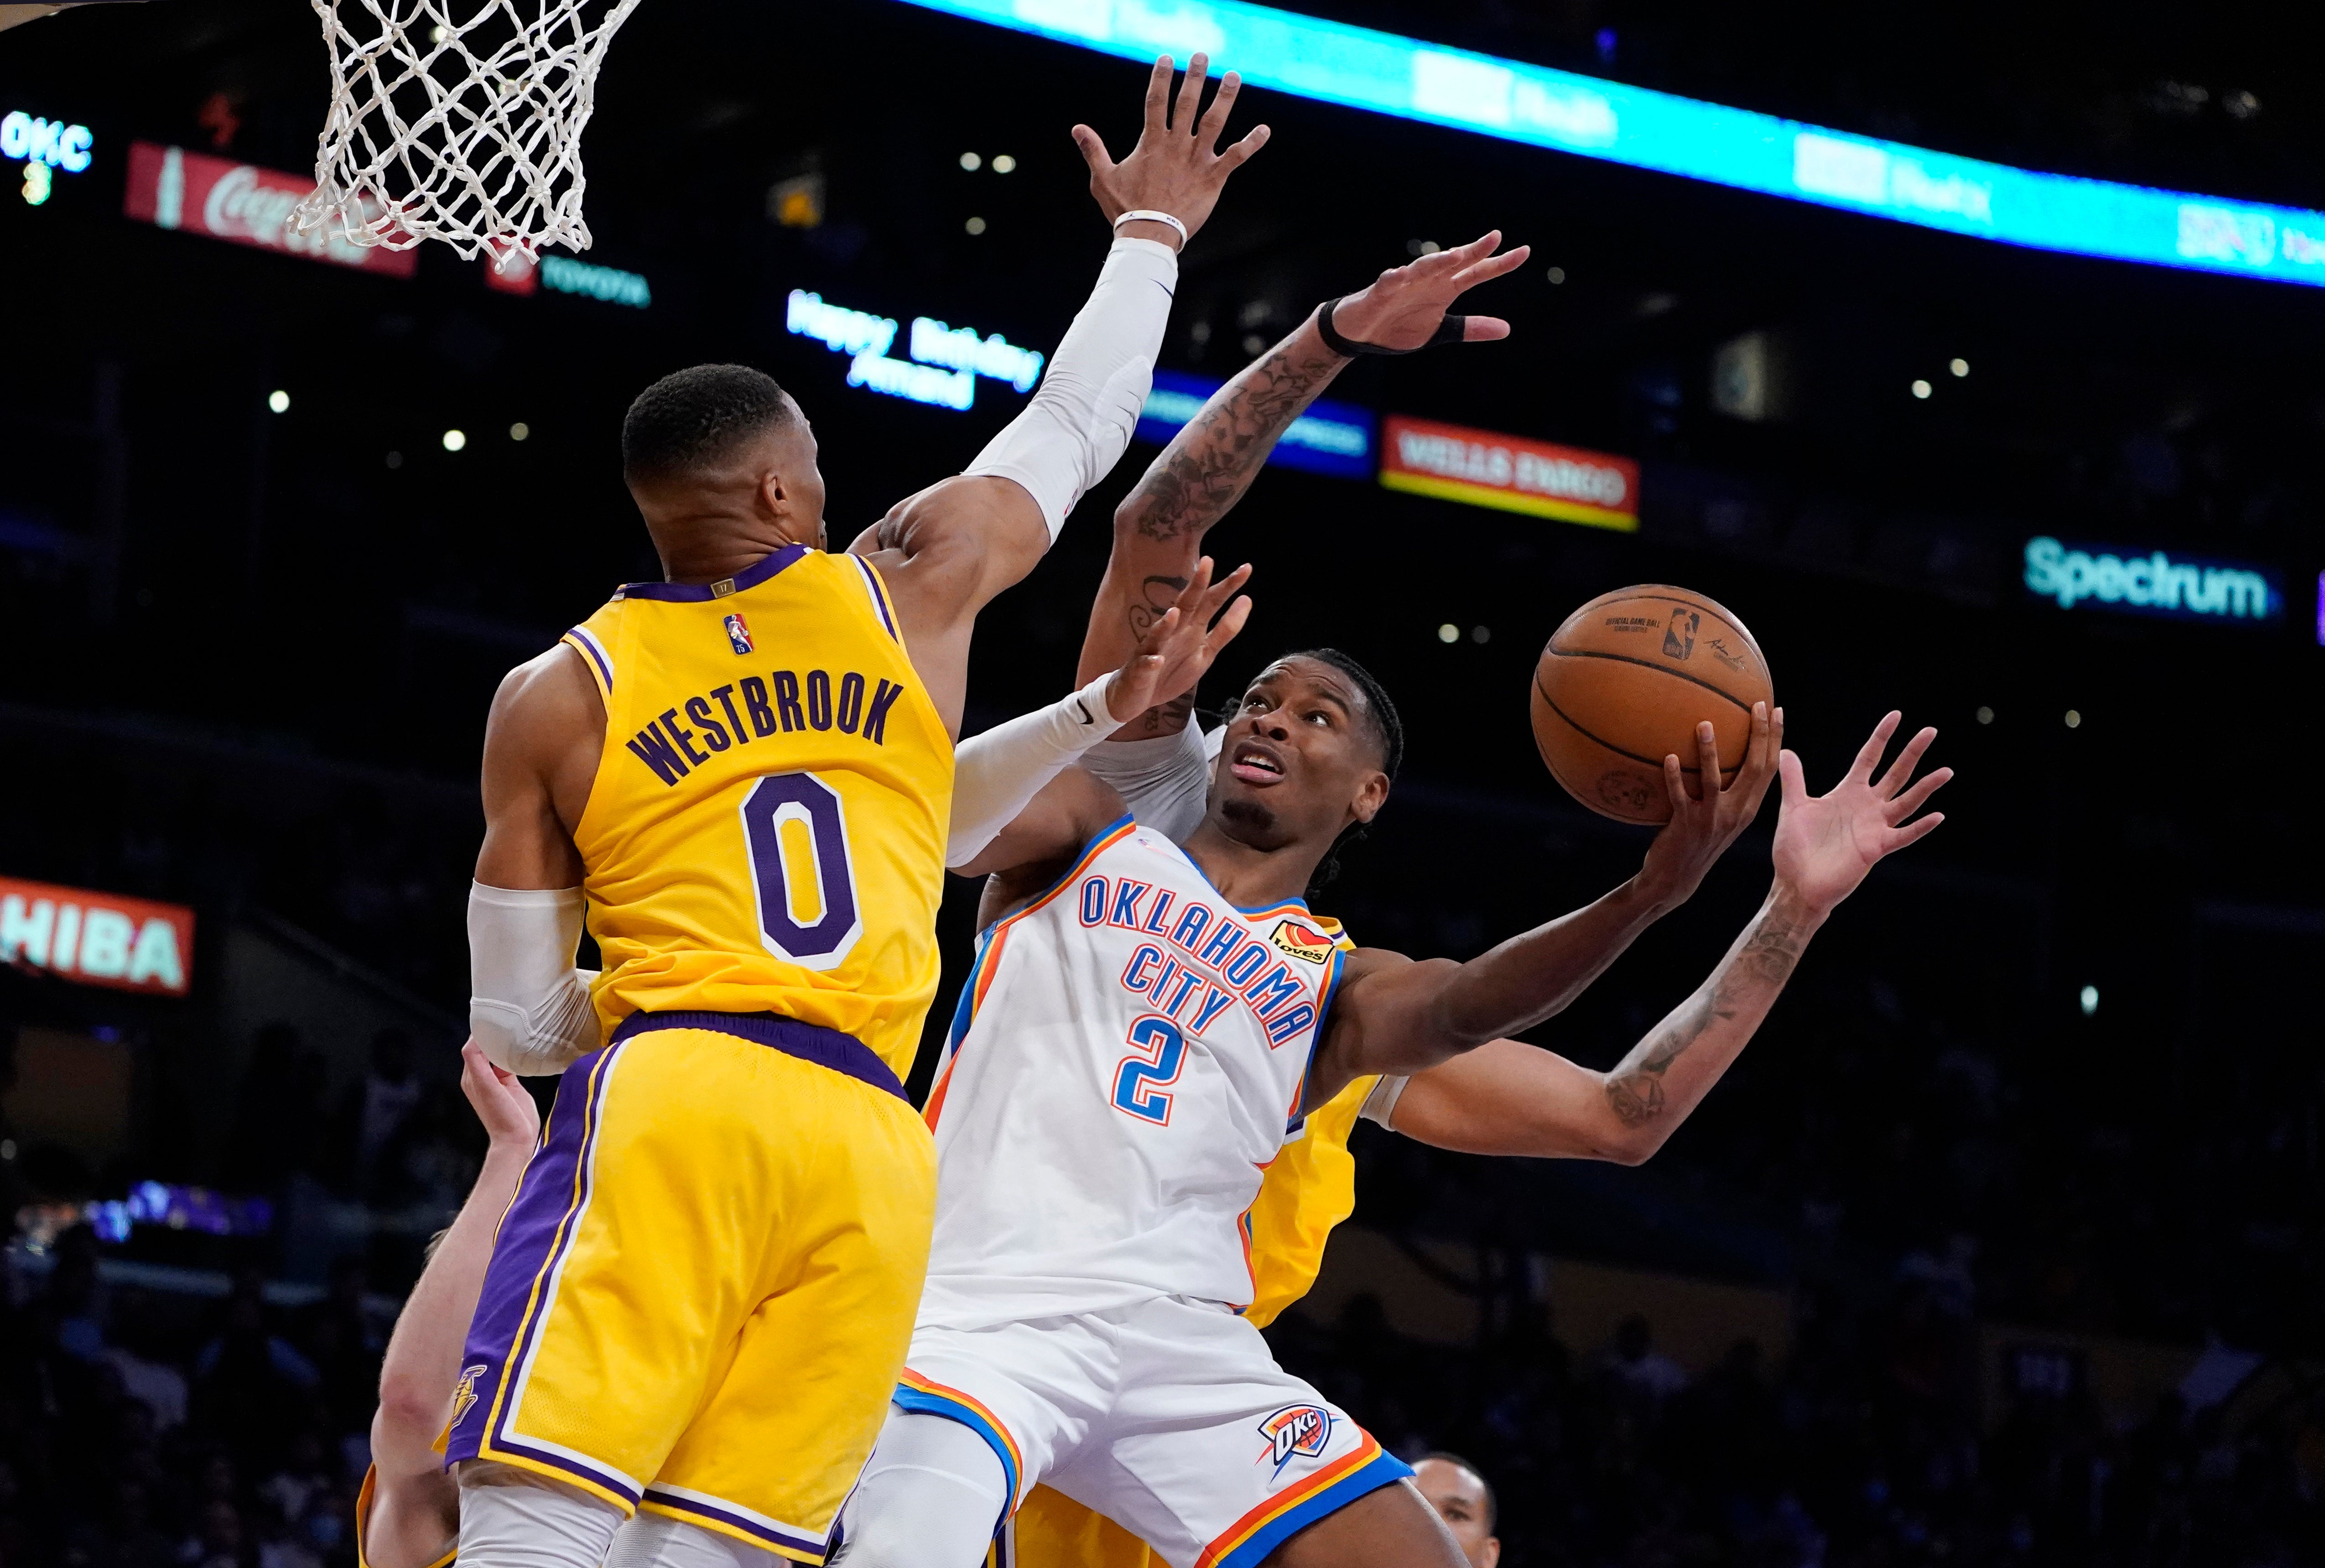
{"x":1635,"y":1091}
{"x":1210,"y":463}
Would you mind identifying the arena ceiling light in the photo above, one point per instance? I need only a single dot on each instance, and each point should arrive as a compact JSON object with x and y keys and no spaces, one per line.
{"x":1335,"y":63}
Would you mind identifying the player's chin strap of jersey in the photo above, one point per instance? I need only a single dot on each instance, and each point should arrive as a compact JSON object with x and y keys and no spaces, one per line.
{"x":1450,"y":330}
{"x":529,"y":1007}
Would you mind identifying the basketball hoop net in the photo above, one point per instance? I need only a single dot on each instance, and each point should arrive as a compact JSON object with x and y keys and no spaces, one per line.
{"x":463,"y":129}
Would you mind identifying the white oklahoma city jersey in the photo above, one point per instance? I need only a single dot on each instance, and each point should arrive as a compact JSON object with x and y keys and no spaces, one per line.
{"x":1127,"y":1058}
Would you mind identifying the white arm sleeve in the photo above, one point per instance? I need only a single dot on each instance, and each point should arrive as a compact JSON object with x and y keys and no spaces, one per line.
{"x":1167,"y":781}
{"x":528,"y":1007}
{"x":1079,"y":423}
{"x":1381,"y":1103}
{"x":994,"y":774}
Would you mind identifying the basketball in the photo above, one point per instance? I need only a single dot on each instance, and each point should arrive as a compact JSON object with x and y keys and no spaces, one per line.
{"x":1622,"y":684}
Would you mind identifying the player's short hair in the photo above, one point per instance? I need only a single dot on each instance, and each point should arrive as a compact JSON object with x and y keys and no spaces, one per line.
{"x":1380,"y":713}
{"x":1492,"y":1504}
{"x":692,"y":418}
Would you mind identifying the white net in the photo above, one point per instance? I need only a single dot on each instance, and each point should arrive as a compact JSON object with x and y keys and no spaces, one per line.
{"x":460,"y":121}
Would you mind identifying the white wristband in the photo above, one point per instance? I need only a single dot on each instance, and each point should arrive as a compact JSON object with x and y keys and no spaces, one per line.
{"x":1144,"y":215}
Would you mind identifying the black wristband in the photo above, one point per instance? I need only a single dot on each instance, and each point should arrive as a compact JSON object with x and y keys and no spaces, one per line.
{"x":1450,"y":330}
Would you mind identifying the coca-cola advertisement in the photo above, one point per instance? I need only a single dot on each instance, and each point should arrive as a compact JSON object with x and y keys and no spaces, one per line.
{"x":172,"y":188}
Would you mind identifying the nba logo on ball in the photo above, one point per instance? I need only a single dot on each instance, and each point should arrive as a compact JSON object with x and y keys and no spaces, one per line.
{"x":738,"y":634}
{"x":1297,"y":1432}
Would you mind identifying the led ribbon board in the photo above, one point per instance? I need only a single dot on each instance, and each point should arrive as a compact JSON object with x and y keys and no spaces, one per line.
{"x":1335,"y":63}
{"x":2150,"y":583}
{"x":1335,"y":439}
{"x":946,"y":360}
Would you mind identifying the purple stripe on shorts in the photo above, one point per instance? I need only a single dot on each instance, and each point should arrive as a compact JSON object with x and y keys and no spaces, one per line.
{"x":809,"y":1042}
{"x":534,"y":1236}
{"x":699,"y":1508}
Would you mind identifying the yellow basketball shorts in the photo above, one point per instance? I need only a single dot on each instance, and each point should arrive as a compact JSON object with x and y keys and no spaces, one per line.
{"x":700,"y":1300}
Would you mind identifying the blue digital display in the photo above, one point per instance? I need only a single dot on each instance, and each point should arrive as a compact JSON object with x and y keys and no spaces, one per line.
{"x":1334,"y":438}
{"x":946,"y":360}
{"x":2149,"y":583}
{"x":568,"y":276}
{"x":1335,"y":63}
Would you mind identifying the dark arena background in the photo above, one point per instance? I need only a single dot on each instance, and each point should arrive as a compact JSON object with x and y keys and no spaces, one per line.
{"x":2000,"y":1244}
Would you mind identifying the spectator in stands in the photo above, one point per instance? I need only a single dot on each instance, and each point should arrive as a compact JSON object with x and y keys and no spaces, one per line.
{"x":376,"y":1110}
{"x":1633,"y":1362}
{"x":248,"y":1381}
{"x":1465,"y":1502}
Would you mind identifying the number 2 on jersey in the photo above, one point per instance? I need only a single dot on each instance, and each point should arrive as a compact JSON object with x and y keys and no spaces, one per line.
{"x":796,"y":831}
{"x":1141,"y":1082}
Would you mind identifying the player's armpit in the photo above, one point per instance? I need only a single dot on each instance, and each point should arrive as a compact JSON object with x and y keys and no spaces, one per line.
{"x":1382,"y":1021}
{"x":543,"y":740}
{"x":1509,"y":1098}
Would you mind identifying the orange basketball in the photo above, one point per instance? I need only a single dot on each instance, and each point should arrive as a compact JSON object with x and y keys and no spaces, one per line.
{"x":1623,"y":685}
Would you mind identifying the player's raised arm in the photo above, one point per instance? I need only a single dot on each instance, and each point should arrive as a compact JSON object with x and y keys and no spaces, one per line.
{"x":412,"y":1514}
{"x":1824,"y":846}
{"x":1158,"y":529}
{"x":947,"y":551}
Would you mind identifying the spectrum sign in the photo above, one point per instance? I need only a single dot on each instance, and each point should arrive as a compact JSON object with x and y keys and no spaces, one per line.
{"x":1510,"y":473}
{"x":243,"y":204}
{"x":2150,"y":583}
{"x":97,"y":938}
{"x":946,"y":363}
{"x":1334,"y":438}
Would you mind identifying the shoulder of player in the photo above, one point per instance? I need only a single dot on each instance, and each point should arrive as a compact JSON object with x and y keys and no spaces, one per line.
{"x":550,"y":688}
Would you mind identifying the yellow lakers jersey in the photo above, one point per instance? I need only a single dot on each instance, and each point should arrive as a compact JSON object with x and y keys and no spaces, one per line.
{"x":766,"y":832}
{"x":1309,"y":1188}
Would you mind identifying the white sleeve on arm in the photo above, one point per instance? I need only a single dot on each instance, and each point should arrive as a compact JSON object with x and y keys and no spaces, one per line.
{"x":1080,"y":422}
{"x":995,"y":774}
{"x":1167,"y":781}
{"x":528,"y":1007}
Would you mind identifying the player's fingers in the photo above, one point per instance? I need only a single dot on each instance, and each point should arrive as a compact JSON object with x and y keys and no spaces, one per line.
{"x":1198,"y":584}
{"x":1920,"y":828}
{"x":1184,"y":115}
{"x":1913,"y":799}
{"x":1226,"y":588}
{"x":1893,"y":777}
{"x":1160,"y":633}
{"x":1093,"y":150}
{"x":1487,"y":269}
{"x":1224,"y":631}
{"x":1214,"y":123}
{"x":1795,"y":782}
{"x":1707,"y":759}
{"x":1237,"y":156}
{"x":1483,"y":329}
{"x":1869,"y":755}
{"x":1675,"y":786}
{"x":1158,"y":96}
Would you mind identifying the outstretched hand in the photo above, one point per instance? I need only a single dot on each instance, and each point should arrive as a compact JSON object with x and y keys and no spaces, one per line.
{"x":1826,"y":843}
{"x":1177,"y":167}
{"x":1700,"y":830}
{"x":1401,"y":308}
{"x":501,"y":1100}
{"x":1178,"y":649}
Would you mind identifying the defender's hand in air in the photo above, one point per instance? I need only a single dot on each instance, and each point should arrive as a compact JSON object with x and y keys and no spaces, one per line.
{"x":501,"y":1100}
{"x":1825,"y":844}
{"x":1177,"y":167}
{"x":1700,"y":831}
{"x":1178,"y":647}
{"x":1401,"y":309}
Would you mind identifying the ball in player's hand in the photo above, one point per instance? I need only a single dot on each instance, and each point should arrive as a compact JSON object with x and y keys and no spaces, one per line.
{"x":1624,"y":683}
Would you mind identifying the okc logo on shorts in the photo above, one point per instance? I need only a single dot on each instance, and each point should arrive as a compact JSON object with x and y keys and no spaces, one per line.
{"x":1297,"y":1432}
{"x":738,"y":634}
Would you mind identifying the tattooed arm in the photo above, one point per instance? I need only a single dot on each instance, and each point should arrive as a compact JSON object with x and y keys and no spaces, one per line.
{"x":1510,"y":1098}
{"x":1158,"y":531}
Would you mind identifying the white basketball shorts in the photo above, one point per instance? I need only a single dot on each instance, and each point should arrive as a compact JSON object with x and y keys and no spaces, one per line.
{"x":1169,"y":1417}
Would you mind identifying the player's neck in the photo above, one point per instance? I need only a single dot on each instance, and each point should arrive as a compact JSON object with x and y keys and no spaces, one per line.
{"x":709,"y":547}
{"x":1249,"y":875}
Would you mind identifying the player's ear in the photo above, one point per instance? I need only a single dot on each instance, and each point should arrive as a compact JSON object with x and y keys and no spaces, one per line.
{"x":1372,"y":794}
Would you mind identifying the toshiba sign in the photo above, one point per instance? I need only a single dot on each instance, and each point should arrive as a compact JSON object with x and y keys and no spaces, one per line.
{"x":170,"y":187}
{"x":97,"y":938}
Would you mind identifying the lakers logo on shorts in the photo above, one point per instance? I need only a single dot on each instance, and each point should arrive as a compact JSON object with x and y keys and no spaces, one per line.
{"x":464,"y":1392}
{"x":1297,"y":1432}
{"x":1294,"y":940}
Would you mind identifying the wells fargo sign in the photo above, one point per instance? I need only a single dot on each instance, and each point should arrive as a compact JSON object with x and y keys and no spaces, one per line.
{"x":97,"y":938}
{"x":1511,"y":473}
